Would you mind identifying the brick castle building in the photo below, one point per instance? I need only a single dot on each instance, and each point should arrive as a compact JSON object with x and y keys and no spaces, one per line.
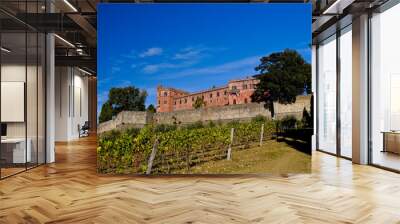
{"x":236,"y":92}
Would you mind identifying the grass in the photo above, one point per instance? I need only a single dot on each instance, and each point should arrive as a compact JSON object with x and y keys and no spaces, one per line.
{"x":271,"y":158}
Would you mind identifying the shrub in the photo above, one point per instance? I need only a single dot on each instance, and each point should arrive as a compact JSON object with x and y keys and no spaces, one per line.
{"x":110,"y":135}
{"x":115,"y":155}
{"x":211,"y":124}
{"x":165,"y":127}
{"x":133,"y":132}
{"x":195,"y":125}
{"x":259,"y":118}
{"x":288,"y":122}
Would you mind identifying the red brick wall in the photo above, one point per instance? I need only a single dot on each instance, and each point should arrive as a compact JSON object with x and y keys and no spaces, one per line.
{"x":237,"y":92}
{"x":241,"y":90}
{"x":165,"y":98}
{"x":212,"y":98}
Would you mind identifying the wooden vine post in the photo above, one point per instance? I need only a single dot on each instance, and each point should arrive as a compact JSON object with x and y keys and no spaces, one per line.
{"x":187,"y":159}
{"x":152,"y":156}
{"x":228,"y":157}
{"x":261,"y":134}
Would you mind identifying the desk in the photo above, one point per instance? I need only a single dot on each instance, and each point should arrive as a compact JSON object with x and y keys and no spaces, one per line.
{"x":13,"y":150}
{"x":391,"y":141}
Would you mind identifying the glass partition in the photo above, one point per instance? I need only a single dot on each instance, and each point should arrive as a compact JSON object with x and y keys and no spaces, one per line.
{"x":385,"y":89}
{"x":346,"y":95}
{"x":327,"y":95}
{"x":14,"y":153}
{"x":31,"y":97}
{"x":41,"y":96}
{"x":22,"y":101}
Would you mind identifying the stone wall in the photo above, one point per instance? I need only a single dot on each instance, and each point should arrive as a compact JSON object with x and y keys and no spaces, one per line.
{"x":223,"y":114}
{"x":126,"y":119}
{"x":295,"y":109}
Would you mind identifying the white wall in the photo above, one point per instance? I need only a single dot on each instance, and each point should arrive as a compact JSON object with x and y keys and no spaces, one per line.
{"x":15,"y":73}
{"x":71,"y":102}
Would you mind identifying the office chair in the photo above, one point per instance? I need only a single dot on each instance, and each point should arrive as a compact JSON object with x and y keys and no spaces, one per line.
{"x":84,"y":130}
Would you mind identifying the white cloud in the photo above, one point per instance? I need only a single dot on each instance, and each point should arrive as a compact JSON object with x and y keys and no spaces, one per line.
{"x":189,"y":53}
{"x":130,"y":55}
{"x":245,"y":64}
{"x":153,"y":68}
{"x":151,"y":52}
{"x":149,"y":69}
{"x":124,"y":83}
{"x":115,"y":69}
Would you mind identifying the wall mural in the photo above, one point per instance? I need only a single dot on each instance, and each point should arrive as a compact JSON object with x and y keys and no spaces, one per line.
{"x":204,"y":88}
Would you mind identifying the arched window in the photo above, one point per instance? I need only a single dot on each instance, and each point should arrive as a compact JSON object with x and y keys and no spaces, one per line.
{"x":234,"y":101}
{"x":165,"y":94}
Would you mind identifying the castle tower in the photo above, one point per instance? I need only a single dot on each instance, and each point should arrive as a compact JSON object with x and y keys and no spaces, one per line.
{"x":165,"y":98}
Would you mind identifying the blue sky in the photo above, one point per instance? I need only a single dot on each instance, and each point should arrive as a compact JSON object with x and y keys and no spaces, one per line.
{"x":193,"y":46}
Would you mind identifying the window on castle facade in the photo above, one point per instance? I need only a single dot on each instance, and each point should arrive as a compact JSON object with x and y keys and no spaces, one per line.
{"x":211,"y":95}
{"x":244,"y":86}
{"x":185,"y":100}
{"x":234,"y":87}
{"x":217,"y":94}
{"x":165,"y":94}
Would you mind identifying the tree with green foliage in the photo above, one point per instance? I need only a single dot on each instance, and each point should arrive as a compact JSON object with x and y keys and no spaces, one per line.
{"x":127,"y":99}
{"x":106,"y":112}
{"x":123,"y":99}
{"x":198,"y":103}
{"x":283,"y":76}
{"x":151,"y":108}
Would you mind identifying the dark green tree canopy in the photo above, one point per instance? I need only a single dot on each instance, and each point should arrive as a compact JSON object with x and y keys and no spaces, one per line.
{"x":127,"y":98}
{"x":151,"y":108}
{"x":283,"y":76}
{"x":123,"y":99}
{"x":106,"y":112}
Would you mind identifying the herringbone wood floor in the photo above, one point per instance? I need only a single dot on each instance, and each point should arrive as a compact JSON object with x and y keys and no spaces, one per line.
{"x":70,"y":191}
